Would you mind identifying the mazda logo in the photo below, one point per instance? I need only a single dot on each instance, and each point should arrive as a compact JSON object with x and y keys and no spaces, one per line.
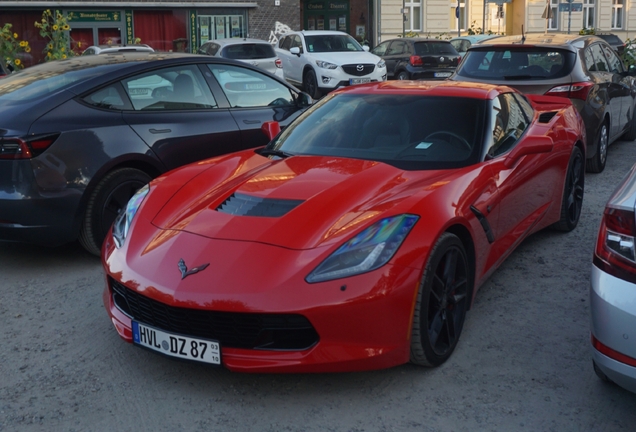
{"x":360,"y":68}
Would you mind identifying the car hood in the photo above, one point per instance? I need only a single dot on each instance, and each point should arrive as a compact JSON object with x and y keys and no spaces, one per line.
{"x":301,"y":202}
{"x":343,"y":58}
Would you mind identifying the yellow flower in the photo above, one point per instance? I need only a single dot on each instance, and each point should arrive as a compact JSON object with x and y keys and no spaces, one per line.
{"x":62,"y":49}
{"x":63,"y":56}
{"x":79,"y":44}
{"x":55,"y":27}
{"x":48,"y":54}
{"x":27,"y":49}
{"x":50,"y":46}
{"x":66,"y":27}
{"x":48,"y":11}
{"x":23,"y":44}
{"x":17,"y":62}
{"x":15,"y":35}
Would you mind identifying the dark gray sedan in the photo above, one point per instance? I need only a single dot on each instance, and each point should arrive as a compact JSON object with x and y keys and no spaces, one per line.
{"x":583,"y":68}
{"x":78,"y":137}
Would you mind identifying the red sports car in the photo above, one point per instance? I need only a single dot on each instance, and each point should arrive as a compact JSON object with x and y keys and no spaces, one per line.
{"x":356,"y":239}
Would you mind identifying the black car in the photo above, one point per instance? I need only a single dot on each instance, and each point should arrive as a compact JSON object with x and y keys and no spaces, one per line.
{"x":78,"y":137}
{"x":614,"y":41}
{"x":583,"y":68}
{"x":418,"y":58}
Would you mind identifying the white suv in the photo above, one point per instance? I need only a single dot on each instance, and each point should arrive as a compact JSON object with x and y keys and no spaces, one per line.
{"x":321,"y":61}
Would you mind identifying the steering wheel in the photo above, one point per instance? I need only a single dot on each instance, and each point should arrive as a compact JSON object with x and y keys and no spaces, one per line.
{"x":160,"y":93}
{"x":454,"y":138}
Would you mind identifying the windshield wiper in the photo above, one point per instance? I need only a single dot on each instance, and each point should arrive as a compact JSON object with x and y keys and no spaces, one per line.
{"x":274,"y":152}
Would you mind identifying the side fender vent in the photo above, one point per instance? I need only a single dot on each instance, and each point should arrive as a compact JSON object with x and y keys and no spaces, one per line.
{"x":245,"y":205}
{"x":546,"y":116}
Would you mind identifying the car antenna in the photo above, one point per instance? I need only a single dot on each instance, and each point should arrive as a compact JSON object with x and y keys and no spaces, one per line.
{"x":523,"y":35}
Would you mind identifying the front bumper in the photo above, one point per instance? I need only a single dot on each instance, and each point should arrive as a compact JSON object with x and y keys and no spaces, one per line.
{"x":613,"y":324}
{"x":331,"y":79}
{"x":363,"y":322}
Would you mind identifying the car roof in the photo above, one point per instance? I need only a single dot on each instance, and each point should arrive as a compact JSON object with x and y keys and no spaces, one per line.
{"x":465,"y":89}
{"x":237,"y":41}
{"x":476,"y":38}
{"x":419,"y":39}
{"x":562,"y":40}
{"x":319,"y":32}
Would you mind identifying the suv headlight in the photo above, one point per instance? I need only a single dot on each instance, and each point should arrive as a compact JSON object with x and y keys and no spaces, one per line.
{"x":381,"y":64}
{"x":326,"y":65}
{"x":367,"y":251}
{"x":124,"y":219}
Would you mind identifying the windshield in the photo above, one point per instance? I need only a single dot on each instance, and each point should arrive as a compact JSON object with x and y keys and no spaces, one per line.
{"x":530,"y":63}
{"x":331,"y":43}
{"x":411,"y":132}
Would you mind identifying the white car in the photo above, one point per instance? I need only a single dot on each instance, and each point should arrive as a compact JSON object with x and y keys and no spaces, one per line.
{"x":109,"y":49}
{"x":321,"y":61}
{"x":256,"y":52}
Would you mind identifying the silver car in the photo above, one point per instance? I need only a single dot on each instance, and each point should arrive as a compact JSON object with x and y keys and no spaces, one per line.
{"x":613,"y":289}
{"x":584,"y":69}
{"x":256,"y":52}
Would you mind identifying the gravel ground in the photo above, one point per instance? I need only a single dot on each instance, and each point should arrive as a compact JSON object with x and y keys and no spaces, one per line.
{"x":523,"y":362}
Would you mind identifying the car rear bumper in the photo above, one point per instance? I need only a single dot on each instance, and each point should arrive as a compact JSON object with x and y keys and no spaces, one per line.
{"x":613,"y":325}
{"x":418,"y":73}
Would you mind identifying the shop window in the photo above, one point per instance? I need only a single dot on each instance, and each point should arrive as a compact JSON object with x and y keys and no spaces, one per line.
{"x":162,"y":30}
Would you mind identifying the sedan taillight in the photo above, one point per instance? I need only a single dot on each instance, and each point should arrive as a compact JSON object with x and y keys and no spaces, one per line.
{"x":279,"y":63}
{"x":578,"y":90}
{"x":415,"y":60}
{"x":19,"y":148}
{"x":615,"y":248}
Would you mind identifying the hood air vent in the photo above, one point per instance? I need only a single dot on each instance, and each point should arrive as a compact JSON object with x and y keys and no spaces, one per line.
{"x":244,"y":205}
{"x":546,"y":116}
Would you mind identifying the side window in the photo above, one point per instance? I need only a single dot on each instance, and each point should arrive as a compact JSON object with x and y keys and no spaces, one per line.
{"x":285,"y":43}
{"x":296,"y":42}
{"x":380,"y":50}
{"x":457,"y":44}
{"x":508,"y":123}
{"x":245,"y":88}
{"x":525,"y":106}
{"x":397,"y":47}
{"x":111,"y":97}
{"x":615,"y":64}
{"x":175,"y":88}
{"x":600,"y":64}
{"x":212,"y":49}
{"x":589,"y":60}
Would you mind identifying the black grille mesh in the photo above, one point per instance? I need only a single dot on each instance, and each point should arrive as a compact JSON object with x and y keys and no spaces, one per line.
{"x":246,"y":205}
{"x":231,"y":329}
{"x":546,"y":116}
{"x":353,"y":69}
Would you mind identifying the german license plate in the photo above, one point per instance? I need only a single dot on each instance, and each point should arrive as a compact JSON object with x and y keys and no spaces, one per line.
{"x":353,"y":81}
{"x":442,"y":74}
{"x":174,"y":345}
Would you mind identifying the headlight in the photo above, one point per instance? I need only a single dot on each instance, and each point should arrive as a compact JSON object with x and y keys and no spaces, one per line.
{"x":124,"y":219}
{"x":381,"y":64}
{"x":367,"y":251}
{"x":326,"y":65}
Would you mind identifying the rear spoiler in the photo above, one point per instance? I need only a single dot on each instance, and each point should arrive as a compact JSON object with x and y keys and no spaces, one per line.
{"x":548,"y":103}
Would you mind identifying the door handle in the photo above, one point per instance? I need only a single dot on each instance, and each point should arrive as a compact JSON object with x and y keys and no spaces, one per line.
{"x":160,"y":131}
{"x":251,"y":121}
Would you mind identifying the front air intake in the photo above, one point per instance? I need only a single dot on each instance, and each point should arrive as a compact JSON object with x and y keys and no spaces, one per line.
{"x":245,"y":205}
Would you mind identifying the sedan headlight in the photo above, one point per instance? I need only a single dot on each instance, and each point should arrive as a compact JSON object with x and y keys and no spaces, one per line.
{"x":367,"y":251}
{"x":124,"y":219}
{"x":326,"y":65}
{"x":381,"y":64}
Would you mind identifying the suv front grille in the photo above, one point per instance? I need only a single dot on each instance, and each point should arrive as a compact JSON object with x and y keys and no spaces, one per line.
{"x":231,"y":329}
{"x":353,"y":69}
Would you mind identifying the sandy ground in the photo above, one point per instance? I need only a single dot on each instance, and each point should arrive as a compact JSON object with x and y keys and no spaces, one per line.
{"x":523,"y":362}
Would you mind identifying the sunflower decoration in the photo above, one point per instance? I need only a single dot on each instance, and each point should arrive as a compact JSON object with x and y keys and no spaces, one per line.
{"x":55,"y":28}
{"x":11,"y":47}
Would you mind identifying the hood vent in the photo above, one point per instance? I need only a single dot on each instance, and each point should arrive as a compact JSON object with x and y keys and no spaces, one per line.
{"x":244,"y":205}
{"x":546,"y":116}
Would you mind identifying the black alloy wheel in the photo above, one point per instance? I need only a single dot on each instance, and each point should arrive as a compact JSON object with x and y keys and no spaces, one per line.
{"x":596,"y":164}
{"x":442,"y":302}
{"x":572,"y":193}
{"x":310,"y":84}
{"x":108,"y":199}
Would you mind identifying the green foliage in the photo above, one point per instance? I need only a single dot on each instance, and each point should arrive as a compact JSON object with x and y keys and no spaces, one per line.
{"x":54,"y":27}
{"x":475,"y":30}
{"x":11,"y":47}
{"x":629,"y":54}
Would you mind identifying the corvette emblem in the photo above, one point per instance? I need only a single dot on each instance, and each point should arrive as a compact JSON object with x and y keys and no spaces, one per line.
{"x":184,"y":269}
{"x":360,"y":68}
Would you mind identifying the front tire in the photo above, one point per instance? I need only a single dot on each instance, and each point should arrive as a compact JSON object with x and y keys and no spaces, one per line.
{"x":597,"y":163}
{"x":441,"y":303}
{"x":109,"y":197}
{"x":310,"y":84}
{"x":572,"y":193}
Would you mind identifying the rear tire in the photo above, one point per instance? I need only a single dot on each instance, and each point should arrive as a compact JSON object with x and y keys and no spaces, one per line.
{"x":441,"y":303}
{"x":573,"y":189}
{"x":310,"y":84}
{"x":109,"y":197}
{"x":403,"y":75}
{"x":596,"y":164}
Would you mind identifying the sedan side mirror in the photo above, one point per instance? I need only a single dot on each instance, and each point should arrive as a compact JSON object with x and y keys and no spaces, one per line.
{"x":530,"y":145}
{"x":303,"y":100}
{"x":271,"y":129}
{"x":295,"y":50}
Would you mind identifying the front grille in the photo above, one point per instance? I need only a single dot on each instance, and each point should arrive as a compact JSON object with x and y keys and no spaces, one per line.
{"x":353,"y":69}
{"x":231,"y":329}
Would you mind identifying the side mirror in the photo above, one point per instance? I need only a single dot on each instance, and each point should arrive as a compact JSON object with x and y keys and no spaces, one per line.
{"x":365,"y":47}
{"x":295,"y":50}
{"x":303,"y":100}
{"x":530,"y":145}
{"x":271,"y":129}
